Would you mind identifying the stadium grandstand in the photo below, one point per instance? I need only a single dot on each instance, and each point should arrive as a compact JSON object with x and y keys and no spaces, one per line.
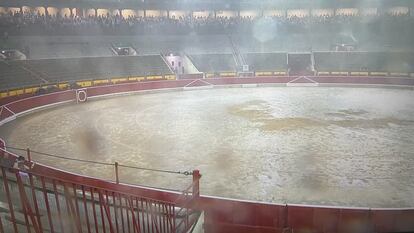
{"x":206,"y":116}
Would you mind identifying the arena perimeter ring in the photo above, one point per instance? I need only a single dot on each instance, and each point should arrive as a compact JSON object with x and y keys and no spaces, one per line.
{"x":326,"y":145}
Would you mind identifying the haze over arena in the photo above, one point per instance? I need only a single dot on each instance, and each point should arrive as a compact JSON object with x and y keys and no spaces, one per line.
{"x":343,"y":137}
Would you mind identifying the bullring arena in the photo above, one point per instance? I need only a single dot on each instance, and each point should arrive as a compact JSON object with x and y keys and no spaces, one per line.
{"x":244,"y":123}
{"x":206,"y":116}
{"x":301,"y":139}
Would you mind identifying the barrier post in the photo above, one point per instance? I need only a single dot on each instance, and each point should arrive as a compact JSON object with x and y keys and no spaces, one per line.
{"x":2,"y":146}
{"x":116,"y":173}
{"x":29,"y":157}
{"x":196,"y":183}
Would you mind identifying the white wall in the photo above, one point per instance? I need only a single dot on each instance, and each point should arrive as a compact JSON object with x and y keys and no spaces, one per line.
{"x":39,"y":10}
{"x":298,"y":13}
{"x":64,"y":11}
{"x":175,"y":62}
{"x":278,"y":13}
{"x":368,"y":11}
{"x":52,"y":11}
{"x":132,"y":13}
{"x":251,"y":14}
{"x":156,"y":13}
{"x":103,"y":12}
{"x":89,"y":12}
{"x":203,"y":14}
{"x":27,"y":9}
{"x":322,"y":12}
{"x":116,"y":12}
{"x":13,"y":9}
{"x":34,"y":10}
{"x":227,"y":14}
{"x":398,"y":10}
{"x":347,"y":11}
{"x":178,"y":14}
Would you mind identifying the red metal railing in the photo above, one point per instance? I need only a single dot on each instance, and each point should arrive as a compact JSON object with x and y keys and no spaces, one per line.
{"x":39,"y":203}
{"x":186,"y":200}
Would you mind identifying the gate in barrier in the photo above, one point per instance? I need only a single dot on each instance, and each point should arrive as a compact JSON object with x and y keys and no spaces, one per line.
{"x":81,"y":95}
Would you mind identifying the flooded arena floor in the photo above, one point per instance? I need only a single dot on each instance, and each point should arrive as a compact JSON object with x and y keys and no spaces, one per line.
{"x":324,"y":145}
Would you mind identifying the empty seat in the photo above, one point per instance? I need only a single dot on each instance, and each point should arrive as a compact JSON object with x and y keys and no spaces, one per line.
{"x":364,"y":61}
{"x":13,"y":75}
{"x":266,"y":61}
{"x":71,"y":69}
{"x":214,"y":62}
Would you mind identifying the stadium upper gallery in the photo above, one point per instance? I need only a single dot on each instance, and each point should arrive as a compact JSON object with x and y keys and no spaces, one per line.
{"x":273,"y":116}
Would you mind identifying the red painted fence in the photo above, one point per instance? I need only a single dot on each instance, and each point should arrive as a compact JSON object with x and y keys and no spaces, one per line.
{"x":37,"y":198}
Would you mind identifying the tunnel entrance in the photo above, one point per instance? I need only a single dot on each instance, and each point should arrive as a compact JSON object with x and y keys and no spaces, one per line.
{"x":300,"y":64}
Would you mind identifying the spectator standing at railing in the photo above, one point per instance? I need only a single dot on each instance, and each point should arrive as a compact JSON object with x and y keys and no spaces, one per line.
{"x":23,"y":167}
{"x":6,"y":160}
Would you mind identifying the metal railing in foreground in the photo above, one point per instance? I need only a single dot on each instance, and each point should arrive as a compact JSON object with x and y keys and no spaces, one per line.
{"x":32,"y":202}
{"x":117,"y":168}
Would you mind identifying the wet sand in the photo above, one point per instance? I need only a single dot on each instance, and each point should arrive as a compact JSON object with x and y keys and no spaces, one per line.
{"x":329,"y":146}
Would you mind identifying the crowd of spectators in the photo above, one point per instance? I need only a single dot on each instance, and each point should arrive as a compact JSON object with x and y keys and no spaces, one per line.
{"x":36,"y":24}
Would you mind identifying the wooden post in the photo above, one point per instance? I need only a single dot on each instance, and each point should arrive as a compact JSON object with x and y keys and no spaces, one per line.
{"x":196,"y":183}
{"x":29,"y":157}
{"x":116,"y":173}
